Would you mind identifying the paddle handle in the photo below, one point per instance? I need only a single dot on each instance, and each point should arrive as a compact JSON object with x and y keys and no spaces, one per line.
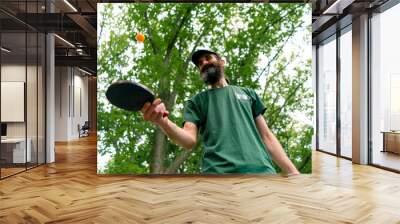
{"x":165,"y":114}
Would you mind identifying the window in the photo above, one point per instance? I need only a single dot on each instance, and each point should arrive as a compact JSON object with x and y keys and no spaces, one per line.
{"x":346,"y":92}
{"x":327,"y":95}
{"x":385,"y":88}
{"x":22,"y":76}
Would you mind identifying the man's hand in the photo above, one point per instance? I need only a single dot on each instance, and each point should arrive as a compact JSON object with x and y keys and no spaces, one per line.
{"x":154,"y":112}
{"x":185,"y":137}
{"x":294,"y":173}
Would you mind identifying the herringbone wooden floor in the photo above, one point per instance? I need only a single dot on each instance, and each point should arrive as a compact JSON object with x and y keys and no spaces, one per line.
{"x":70,"y":191}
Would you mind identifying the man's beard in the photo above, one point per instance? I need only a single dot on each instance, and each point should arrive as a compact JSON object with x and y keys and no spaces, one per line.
{"x":211,"y":73}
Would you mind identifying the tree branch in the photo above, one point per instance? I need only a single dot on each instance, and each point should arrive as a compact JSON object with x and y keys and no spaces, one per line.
{"x":278,"y":52}
{"x":180,"y":159}
{"x":196,"y":44}
{"x":253,"y":47}
{"x":292,"y":94}
{"x":269,"y":78}
{"x":185,"y":65}
{"x":305,"y":161}
{"x":150,"y":33}
{"x":166,"y":93}
{"x":171,"y":43}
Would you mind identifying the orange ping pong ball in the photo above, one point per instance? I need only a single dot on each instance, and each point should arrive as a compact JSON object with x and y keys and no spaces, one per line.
{"x":139,"y":37}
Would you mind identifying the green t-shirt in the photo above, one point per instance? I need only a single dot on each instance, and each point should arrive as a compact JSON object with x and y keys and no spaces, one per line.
{"x":225,"y":120}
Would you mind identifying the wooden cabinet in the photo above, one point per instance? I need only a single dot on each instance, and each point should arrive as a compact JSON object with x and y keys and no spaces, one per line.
{"x":391,"y":142}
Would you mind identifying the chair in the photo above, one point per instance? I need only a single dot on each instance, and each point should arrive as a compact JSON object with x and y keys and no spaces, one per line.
{"x":84,"y":130}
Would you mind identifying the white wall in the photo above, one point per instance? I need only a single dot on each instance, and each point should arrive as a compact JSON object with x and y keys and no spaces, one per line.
{"x":71,"y":94}
{"x":61,"y":103}
{"x":12,"y":73}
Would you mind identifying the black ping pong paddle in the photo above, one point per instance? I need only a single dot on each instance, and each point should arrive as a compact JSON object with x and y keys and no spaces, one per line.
{"x":129,"y":95}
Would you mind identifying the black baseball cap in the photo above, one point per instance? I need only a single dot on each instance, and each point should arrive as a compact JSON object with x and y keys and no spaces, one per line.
{"x":200,"y":52}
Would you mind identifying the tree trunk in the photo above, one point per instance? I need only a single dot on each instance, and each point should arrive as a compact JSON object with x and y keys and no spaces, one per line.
{"x":158,"y":150}
{"x":159,"y":147}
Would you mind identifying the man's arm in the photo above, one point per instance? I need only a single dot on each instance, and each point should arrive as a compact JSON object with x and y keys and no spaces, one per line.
{"x":185,"y":137}
{"x":274,"y":147}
